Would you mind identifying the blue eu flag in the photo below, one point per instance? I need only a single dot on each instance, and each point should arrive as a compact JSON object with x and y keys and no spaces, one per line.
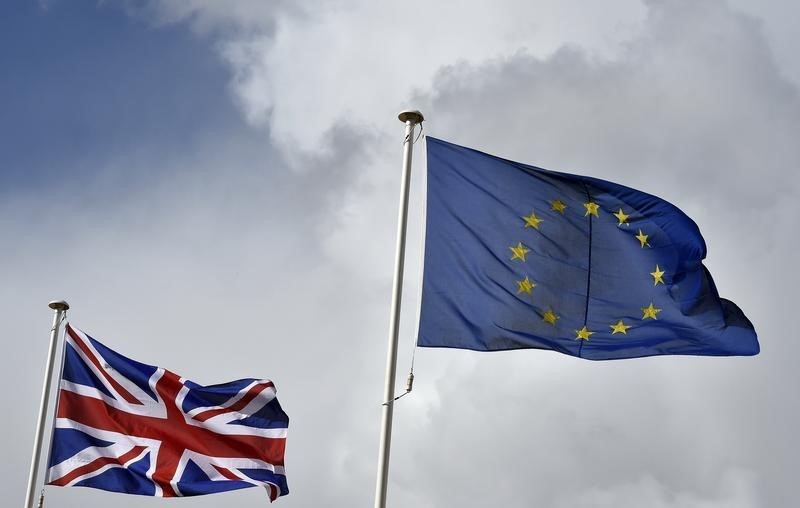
{"x":520,"y":257}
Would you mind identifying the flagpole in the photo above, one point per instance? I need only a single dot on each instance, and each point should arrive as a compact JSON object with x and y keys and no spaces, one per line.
{"x":411,"y":119}
{"x":60,"y":307}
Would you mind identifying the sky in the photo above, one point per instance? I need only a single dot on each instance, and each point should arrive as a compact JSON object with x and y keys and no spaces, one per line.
{"x":213,"y":187}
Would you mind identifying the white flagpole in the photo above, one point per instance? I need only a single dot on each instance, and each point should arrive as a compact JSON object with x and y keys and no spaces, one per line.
{"x":411,"y":119}
{"x":60,"y":307}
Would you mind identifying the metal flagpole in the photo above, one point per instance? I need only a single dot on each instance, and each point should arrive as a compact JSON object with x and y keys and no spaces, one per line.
{"x":411,"y":119}
{"x":60,"y":307}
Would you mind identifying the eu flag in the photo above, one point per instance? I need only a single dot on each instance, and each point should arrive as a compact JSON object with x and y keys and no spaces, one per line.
{"x":520,"y":257}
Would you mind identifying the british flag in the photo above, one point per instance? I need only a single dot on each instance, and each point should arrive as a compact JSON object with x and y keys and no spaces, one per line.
{"x":124,"y":426}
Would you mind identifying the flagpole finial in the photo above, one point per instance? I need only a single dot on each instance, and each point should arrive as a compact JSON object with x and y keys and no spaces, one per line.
{"x":411,"y":114}
{"x":58,"y":305}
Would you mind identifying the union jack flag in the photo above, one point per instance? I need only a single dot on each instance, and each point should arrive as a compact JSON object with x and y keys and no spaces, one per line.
{"x":124,"y":426}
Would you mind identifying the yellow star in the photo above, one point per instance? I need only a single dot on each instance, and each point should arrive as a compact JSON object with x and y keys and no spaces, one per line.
{"x":658,"y":276}
{"x":519,"y":251}
{"x":623,"y":219}
{"x":650,"y":312}
{"x":532,"y":221}
{"x":591,"y":208}
{"x":558,"y":206}
{"x":620,"y":327}
{"x":642,"y":238}
{"x":583,"y":334}
{"x":550,"y":317}
{"x":525,"y":285}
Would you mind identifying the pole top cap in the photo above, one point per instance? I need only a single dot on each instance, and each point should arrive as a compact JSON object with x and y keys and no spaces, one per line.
{"x":58,"y":305}
{"x":411,"y":115}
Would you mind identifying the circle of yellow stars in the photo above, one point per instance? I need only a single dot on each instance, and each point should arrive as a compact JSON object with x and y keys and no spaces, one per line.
{"x":591,"y":208}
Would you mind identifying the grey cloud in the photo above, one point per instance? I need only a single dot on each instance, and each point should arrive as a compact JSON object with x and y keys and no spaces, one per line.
{"x":697,"y":111}
{"x":696,"y":97}
{"x":216,"y":271}
{"x":244,"y":262}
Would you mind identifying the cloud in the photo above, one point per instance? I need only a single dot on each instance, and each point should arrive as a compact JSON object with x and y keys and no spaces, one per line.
{"x":218,"y":271}
{"x":665,"y":109}
{"x":355,"y":60}
{"x":736,"y":490}
{"x":278,"y":237}
{"x":210,"y":17}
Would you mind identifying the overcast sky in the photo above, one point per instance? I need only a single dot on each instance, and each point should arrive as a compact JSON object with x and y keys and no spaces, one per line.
{"x":213,"y":187}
